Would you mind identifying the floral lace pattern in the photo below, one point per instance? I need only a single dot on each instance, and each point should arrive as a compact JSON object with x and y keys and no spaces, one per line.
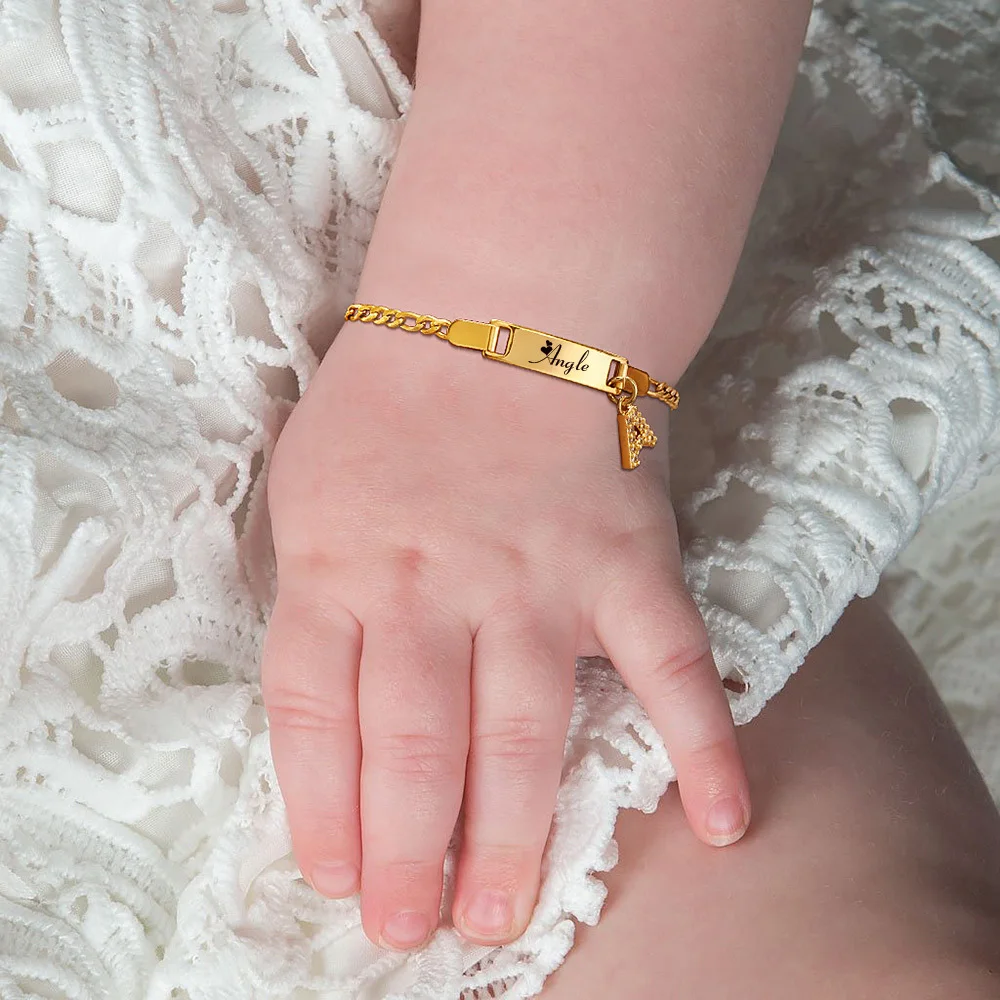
{"x":186,"y":194}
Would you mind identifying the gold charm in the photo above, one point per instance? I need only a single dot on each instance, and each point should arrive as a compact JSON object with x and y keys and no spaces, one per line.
{"x":634,"y":434}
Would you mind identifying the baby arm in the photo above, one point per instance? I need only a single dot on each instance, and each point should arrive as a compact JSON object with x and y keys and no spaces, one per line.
{"x":450,"y":532}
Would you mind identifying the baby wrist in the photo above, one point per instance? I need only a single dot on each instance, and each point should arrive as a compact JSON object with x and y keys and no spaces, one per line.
{"x":545,"y":353}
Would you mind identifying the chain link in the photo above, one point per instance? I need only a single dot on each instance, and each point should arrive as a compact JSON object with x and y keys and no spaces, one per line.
{"x":663,"y":392}
{"x":397,"y":319}
{"x":624,"y":397}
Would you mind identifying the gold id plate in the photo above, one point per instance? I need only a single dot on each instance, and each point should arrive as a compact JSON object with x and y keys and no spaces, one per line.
{"x":537,"y":351}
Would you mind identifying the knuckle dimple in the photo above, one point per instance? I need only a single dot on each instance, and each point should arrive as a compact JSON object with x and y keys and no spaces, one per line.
{"x":305,"y":574}
{"x":411,"y":567}
{"x":512,"y":559}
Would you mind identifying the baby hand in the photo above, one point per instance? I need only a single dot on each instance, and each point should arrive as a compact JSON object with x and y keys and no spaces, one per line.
{"x":451,"y":534}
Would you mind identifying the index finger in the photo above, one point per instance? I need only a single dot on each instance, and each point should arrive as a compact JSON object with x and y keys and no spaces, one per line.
{"x":651,"y":629}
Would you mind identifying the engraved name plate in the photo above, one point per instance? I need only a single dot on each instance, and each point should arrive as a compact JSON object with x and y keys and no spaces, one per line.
{"x":537,"y":351}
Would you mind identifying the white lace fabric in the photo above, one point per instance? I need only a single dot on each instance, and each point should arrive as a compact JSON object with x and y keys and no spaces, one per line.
{"x":186,"y":194}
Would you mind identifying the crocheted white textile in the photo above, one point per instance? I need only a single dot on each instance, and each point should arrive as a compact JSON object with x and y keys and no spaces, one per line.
{"x":186,"y":193}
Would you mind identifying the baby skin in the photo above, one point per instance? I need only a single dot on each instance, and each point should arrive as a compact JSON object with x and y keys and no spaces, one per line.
{"x":452,"y":533}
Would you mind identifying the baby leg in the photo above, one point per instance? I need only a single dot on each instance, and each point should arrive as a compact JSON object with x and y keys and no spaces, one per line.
{"x":871,"y":868}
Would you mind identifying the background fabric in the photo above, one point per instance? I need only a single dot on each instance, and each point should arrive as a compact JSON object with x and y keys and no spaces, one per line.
{"x":186,"y":194}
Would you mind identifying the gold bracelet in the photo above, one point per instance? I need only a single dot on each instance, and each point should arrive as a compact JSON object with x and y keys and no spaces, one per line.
{"x":543,"y":352}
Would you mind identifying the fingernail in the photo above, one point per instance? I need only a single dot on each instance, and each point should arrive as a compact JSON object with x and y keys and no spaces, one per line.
{"x":406,"y":929}
{"x":727,"y":821}
{"x":489,"y":914}
{"x":334,"y":878}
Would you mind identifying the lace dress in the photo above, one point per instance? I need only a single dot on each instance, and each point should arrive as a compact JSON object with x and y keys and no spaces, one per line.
{"x":186,"y":194}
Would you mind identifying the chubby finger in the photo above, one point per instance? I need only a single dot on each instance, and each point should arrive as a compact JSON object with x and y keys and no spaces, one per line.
{"x":522,"y":695}
{"x":309,"y":678}
{"x":414,"y":709}
{"x":653,"y":633}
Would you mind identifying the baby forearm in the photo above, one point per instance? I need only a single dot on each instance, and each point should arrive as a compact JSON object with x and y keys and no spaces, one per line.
{"x":584,"y":168}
